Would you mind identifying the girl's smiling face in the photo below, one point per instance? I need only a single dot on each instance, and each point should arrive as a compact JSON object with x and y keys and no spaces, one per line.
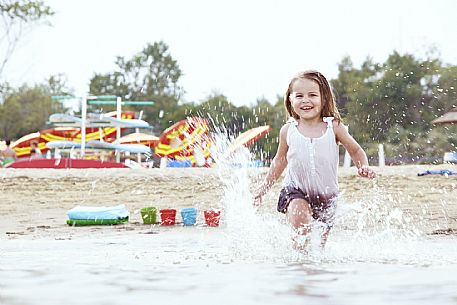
{"x":306,"y":99}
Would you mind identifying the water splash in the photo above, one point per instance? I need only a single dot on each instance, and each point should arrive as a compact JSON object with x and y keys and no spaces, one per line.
{"x":374,"y":229}
{"x":251,"y":234}
{"x":377,"y":230}
{"x":377,"y":218}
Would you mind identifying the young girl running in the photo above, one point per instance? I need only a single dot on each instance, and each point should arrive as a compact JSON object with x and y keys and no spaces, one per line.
{"x":308,"y":150}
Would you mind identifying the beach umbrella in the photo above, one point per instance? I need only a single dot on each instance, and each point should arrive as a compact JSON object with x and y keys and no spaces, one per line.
{"x":249,"y":137}
{"x":184,"y":139}
{"x":447,"y":118}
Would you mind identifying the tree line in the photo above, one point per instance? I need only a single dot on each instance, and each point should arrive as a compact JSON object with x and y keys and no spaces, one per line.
{"x":394,"y":103}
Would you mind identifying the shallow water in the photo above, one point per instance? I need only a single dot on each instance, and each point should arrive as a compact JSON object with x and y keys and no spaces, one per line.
{"x":200,"y":265}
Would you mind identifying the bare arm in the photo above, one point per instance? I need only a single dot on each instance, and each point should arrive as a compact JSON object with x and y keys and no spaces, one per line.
{"x":356,"y":152}
{"x":277,"y":166}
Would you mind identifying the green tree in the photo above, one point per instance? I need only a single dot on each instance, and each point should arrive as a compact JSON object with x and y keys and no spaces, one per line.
{"x":354,"y":93}
{"x":10,"y":118}
{"x":273,"y":115}
{"x":446,"y":89}
{"x":151,"y":74}
{"x":221,"y":114}
{"x":26,"y":110}
{"x":394,"y":102}
{"x":57,"y":85}
{"x":227,"y":118}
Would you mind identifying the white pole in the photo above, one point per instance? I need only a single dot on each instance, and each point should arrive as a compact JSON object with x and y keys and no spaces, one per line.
{"x":137,"y":130}
{"x":347,"y":159}
{"x":163,"y":162}
{"x":382,"y":158}
{"x":118,"y":129}
{"x":83,"y":125}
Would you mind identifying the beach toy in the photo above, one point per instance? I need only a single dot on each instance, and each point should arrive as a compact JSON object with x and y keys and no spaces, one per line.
{"x":168,"y":217}
{"x":212,"y":217}
{"x":148,"y":215}
{"x":89,"y":215}
{"x":96,"y":213}
{"x":189,"y":216}
{"x":97,"y":222}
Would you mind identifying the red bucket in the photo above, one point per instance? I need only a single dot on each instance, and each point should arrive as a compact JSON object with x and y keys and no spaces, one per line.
{"x":212,"y":217}
{"x":168,"y":217}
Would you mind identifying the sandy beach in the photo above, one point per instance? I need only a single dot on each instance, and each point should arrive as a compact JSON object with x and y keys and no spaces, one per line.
{"x":34,"y":202}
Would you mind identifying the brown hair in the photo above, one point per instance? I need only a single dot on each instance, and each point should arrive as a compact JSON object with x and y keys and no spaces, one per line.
{"x":329,"y":108}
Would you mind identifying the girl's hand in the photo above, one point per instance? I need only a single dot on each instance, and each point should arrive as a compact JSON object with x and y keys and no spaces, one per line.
{"x":257,"y":198}
{"x":258,"y":194}
{"x":367,"y":172}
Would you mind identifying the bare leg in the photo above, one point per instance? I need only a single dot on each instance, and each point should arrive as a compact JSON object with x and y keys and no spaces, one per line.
{"x":324,"y":237}
{"x":299,"y":215}
{"x":327,"y":223}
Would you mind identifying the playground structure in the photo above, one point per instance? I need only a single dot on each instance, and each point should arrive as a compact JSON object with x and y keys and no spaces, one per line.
{"x":102,"y":120}
{"x":97,"y":137}
{"x":66,"y":133}
{"x":90,"y":133}
{"x":190,"y":143}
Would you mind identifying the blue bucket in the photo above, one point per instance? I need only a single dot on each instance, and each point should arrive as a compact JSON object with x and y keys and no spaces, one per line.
{"x":189,"y":216}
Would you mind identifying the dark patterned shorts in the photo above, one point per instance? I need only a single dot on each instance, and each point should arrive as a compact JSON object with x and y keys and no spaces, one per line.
{"x":322,"y":206}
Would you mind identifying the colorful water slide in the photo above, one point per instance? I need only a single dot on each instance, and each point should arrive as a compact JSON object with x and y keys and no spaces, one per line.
{"x":66,"y":133}
{"x":123,"y":123}
{"x":185,"y":140}
{"x":139,"y":138}
{"x":96,"y":144}
{"x":131,"y":148}
{"x":96,"y":121}
{"x":248,"y":137}
{"x":62,"y":144}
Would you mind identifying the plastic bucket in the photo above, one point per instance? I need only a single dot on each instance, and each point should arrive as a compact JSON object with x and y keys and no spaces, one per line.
{"x":149,"y":215}
{"x":168,"y":217}
{"x":212,"y":217}
{"x":189,"y":216}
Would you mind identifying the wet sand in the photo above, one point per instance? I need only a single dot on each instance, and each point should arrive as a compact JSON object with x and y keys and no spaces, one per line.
{"x":34,"y":202}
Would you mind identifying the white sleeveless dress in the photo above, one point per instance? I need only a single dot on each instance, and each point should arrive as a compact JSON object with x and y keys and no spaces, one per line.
{"x":312,"y":171}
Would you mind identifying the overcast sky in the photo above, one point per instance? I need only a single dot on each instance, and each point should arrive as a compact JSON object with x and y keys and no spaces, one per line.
{"x":242,"y":49}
